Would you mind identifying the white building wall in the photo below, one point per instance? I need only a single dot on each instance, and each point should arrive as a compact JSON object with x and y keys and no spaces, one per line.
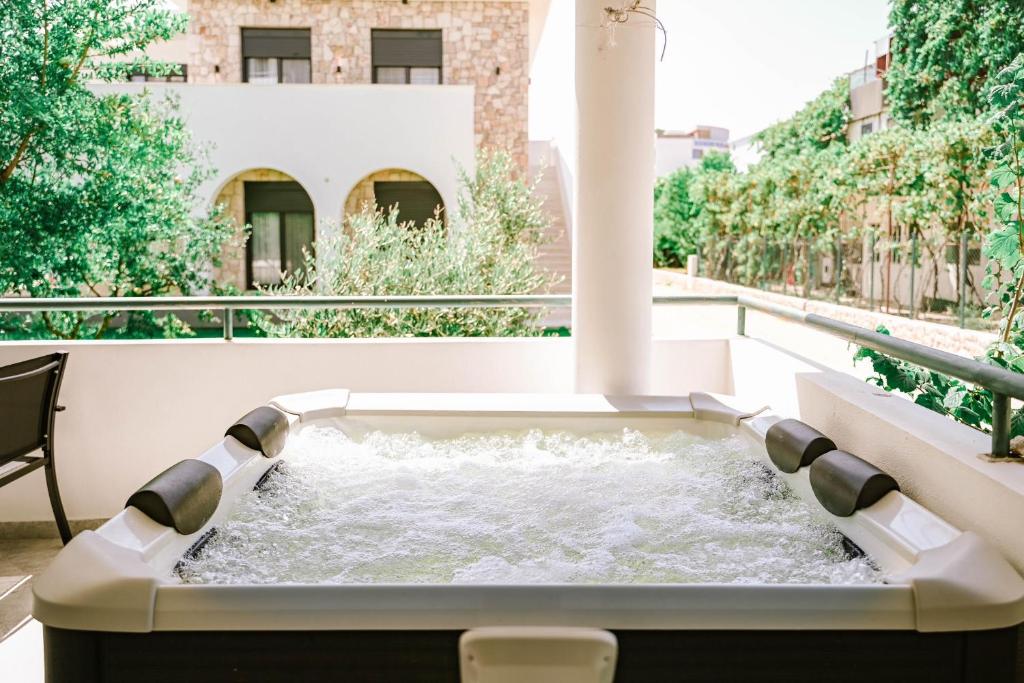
{"x":328,"y":137}
{"x":673,"y":153}
{"x":552,"y":109}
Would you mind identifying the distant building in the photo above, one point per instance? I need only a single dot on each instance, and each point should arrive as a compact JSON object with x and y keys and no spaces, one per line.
{"x":677,"y":149}
{"x":868,"y":111}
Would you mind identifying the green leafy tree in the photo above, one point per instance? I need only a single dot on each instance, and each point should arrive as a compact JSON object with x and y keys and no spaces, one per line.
{"x":98,"y":192}
{"x":676,"y":233}
{"x":1004,"y":247}
{"x":489,"y":247}
{"x":819,"y":124}
{"x":946,"y":52}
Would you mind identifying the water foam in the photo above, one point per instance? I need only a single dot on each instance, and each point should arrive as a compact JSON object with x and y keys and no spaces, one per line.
{"x":524,"y":507}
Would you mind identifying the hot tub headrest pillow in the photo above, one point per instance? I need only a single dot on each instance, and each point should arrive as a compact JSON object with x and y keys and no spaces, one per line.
{"x":792,"y":444}
{"x":264,"y":429}
{"x":844,"y":483}
{"x":184,"y":496}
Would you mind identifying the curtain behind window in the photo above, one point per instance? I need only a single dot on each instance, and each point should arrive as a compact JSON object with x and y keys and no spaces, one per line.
{"x":298,"y":235}
{"x":266,"y":247}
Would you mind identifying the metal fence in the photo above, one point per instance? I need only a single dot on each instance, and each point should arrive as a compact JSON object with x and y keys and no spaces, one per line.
{"x":903,"y":275}
{"x":1003,"y":384}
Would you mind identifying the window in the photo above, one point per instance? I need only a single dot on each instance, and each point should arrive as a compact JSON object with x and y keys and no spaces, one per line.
{"x":698,"y":154}
{"x":275,"y":55}
{"x":953,"y":255}
{"x":866,"y":129}
{"x":140,"y":76}
{"x":406,"y":56}
{"x":416,"y":200}
{"x":281,"y":216}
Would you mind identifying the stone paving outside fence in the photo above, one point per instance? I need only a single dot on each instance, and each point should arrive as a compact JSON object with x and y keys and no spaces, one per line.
{"x":945,"y":337}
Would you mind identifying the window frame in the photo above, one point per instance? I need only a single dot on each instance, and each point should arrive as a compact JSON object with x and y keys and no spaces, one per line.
{"x":282,"y":224}
{"x":170,"y":78}
{"x":278,"y":59}
{"x":408,"y":67}
{"x":283,"y":198}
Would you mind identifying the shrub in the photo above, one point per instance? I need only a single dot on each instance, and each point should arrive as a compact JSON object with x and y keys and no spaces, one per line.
{"x":489,"y":246}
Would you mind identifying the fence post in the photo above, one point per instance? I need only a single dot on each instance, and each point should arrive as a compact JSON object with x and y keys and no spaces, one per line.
{"x":228,"y":318}
{"x":1001,"y":417}
{"x":764,"y":265}
{"x":963,"y":277}
{"x":839,"y":267}
{"x":913,"y":270}
{"x":871,"y":264}
{"x":741,"y":320}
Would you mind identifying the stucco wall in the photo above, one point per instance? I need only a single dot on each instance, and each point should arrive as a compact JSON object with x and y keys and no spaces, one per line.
{"x":485,"y":44}
{"x":328,"y":138}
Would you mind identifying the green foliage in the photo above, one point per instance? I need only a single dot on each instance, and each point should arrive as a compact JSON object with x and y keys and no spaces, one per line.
{"x":488,"y":247}
{"x":945,"y":52}
{"x":98,"y":193}
{"x":676,"y":235}
{"x":1004,"y":248}
{"x":821,"y":123}
{"x":938,"y":393}
{"x":741,"y":222}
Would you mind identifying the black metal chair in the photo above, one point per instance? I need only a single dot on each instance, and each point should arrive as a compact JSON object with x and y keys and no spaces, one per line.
{"x":28,"y":405}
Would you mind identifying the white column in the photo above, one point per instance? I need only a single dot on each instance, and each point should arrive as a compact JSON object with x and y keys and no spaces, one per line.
{"x":612,"y":245}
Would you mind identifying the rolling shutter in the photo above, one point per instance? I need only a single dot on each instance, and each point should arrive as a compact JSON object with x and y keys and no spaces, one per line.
{"x":406,"y":48}
{"x":416,"y":200}
{"x":276,"y":196}
{"x":276,"y":42}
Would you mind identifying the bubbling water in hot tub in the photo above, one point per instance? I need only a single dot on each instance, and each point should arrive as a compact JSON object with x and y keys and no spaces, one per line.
{"x":524,"y":507}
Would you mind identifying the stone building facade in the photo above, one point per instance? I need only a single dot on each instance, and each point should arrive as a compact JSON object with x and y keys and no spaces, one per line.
{"x":485,"y":45}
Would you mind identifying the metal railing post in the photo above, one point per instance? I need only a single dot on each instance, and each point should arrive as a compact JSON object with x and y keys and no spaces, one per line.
{"x":229,"y":323}
{"x":741,"y":320}
{"x":839,"y":268}
{"x":871,"y":264}
{"x":913,"y":270}
{"x":1001,"y":417}
{"x":963,"y":277}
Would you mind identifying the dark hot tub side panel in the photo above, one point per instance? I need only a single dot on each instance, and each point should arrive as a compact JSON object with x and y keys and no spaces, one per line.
{"x":432,"y":656}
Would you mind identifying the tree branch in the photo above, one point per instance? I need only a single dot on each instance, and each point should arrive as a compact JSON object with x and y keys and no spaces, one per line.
{"x":8,"y":170}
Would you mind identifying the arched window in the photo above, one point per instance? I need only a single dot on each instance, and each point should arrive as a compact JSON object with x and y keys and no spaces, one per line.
{"x":281,"y":216}
{"x":416,"y":199}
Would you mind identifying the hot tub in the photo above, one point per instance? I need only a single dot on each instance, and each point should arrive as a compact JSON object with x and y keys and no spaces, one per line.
{"x":113,"y":608}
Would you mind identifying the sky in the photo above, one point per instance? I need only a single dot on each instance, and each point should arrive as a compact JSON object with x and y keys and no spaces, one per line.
{"x":745,"y":64}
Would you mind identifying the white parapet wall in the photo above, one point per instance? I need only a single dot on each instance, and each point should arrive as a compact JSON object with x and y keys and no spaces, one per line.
{"x":136,"y":407}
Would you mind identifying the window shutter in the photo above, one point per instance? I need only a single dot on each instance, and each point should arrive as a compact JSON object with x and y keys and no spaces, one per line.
{"x":276,"y":196}
{"x":276,"y":42}
{"x":406,"y":48}
{"x":416,"y":200}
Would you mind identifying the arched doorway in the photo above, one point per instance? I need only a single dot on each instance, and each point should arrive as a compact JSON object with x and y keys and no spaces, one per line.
{"x":280,"y":214}
{"x":416,"y":198}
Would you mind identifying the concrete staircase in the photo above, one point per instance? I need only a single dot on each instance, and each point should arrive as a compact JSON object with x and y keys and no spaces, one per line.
{"x":555,"y":256}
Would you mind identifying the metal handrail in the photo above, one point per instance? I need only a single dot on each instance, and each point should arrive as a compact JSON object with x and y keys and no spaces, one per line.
{"x":1002,"y":383}
{"x":198,"y":303}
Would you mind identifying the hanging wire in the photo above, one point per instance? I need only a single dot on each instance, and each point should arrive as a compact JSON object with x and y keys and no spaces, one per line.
{"x":621,"y":15}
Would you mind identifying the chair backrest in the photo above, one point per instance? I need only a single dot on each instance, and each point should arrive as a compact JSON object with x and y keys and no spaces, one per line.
{"x":28,"y":401}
